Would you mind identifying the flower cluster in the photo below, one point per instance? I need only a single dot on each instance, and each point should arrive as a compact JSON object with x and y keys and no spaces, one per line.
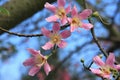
{"x":107,"y":69}
{"x":37,"y":61}
{"x":57,"y":35}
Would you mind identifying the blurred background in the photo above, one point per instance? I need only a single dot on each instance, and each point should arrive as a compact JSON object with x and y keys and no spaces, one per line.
{"x":28,"y":16}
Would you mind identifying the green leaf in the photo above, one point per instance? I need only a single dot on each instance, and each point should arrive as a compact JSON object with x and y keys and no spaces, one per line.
{"x":4,"y":12}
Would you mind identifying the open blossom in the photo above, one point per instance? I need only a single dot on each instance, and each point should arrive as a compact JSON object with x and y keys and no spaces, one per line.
{"x":55,"y":37}
{"x":59,"y":12}
{"x":37,"y":61}
{"x":76,"y":19}
{"x":106,"y":69}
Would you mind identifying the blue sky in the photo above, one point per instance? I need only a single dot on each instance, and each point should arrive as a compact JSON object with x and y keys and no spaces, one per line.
{"x":12,"y":68}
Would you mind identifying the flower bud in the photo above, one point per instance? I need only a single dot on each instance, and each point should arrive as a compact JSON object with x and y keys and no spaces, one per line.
{"x":95,"y":14}
{"x":100,"y":55}
{"x":82,"y":60}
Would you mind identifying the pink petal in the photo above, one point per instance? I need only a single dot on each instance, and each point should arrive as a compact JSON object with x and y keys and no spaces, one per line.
{"x":87,"y":26}
{"x":33,"y":52}
{"x":74,"y":11}
{"x":62,"y":44}
{"x":99,"y":73}
{"x":41,"y":76}
{"x":65,"y":33}
{"x":117,"y":67}
{"x":52,"y":18}
{"x":111,"y":59}
{"x":61,"y":3}
{"x":98,"y":61}
{"x":42,"y":55}
{"x":64,"y":20}
{"x":45,"y":32}
{"x":85,"y":13}
{"x":34,"y":70}
{"x":50,"y":7}
{"x":65,"y":75}
{"x":56,"y":27}
{"x":29,"y":62}
{"x":47,"y":68}
{"x":73,"y":27}
{"x":96,"y":71}
{"x":48,"y":46}
{"x":69,"y":20}
{"x":106,"y":76}
{"x":68,"y":9}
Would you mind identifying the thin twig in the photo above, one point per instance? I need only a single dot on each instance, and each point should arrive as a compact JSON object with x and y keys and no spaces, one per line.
{"x":93,"y":34}
{"x":29,"y":35}
{"x":20,"y":35}
{"x":53,"y":72}
{"x":96,"y":40}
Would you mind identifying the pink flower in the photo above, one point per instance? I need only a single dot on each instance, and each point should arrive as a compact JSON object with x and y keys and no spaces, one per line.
{"x":59,"y":12}
{"x":76,"y":20}
{"x":63,"y":75}
{"x":55,"y":37}
{"x":37,"y":61}
{"x":106,"y":69}
{"x":41,"y":76}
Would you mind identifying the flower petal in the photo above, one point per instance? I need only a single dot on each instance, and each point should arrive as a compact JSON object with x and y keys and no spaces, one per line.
{"x":47,"y":68}
{"x":74,"y":11}
{"x":33,"y":52}
{"x":110,"y":60}
{"x":48,"y":46}
{"x":42,"y":55}
{"x":65,"y":33}
{"x":45,"y":32}
{"x":99,"y":73}
{"x":52,"y":18}
{"x":96,"y":71}
{"x":61,"y":3}
{"x":73,"y":27}
{"x":29,"y":62}
{"x":106,"y":76}
{"x":85,"y":13}
{"x":50,"y":7}
{"x":34,"y":70}
{"x":56,"y":27}
{"x":41,"y":76}
{"x":68,"y":9}
{"x":64,"y":20}
{"x":98,"y":61}
{"x":62,"y":44}
{"x":70,"y":20}
{"x":117,"y":67}
{"x":87,"y":26}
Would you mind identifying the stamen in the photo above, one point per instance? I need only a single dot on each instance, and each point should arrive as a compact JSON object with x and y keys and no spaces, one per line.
{"x":55,"y":38}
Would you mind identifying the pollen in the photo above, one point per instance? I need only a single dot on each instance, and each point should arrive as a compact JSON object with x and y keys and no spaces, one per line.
{"x":39,"y":59}
{"x":61,"y":12}
{"x":55,"y":38}
{"x":105,"y":70}
{"x":75,"y":21}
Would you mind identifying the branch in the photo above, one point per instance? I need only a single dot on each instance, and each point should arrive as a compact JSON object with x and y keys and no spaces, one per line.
{"x":29,"y":35}
{"x":52,"y":74}
{"x":20,"y":10}
{"x":93,"y":34}
{"x":20,"y":35}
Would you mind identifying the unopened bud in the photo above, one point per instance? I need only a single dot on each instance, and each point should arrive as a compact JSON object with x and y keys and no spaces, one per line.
{"x":100,"y":55}
{"x":82,"y":60}
{"x":95,"y":14}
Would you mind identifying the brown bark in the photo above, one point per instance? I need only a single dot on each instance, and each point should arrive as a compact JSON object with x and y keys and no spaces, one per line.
{"x":20,"y":10}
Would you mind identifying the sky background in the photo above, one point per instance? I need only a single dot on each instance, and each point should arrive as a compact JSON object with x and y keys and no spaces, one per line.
{"x":12,"y":68}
